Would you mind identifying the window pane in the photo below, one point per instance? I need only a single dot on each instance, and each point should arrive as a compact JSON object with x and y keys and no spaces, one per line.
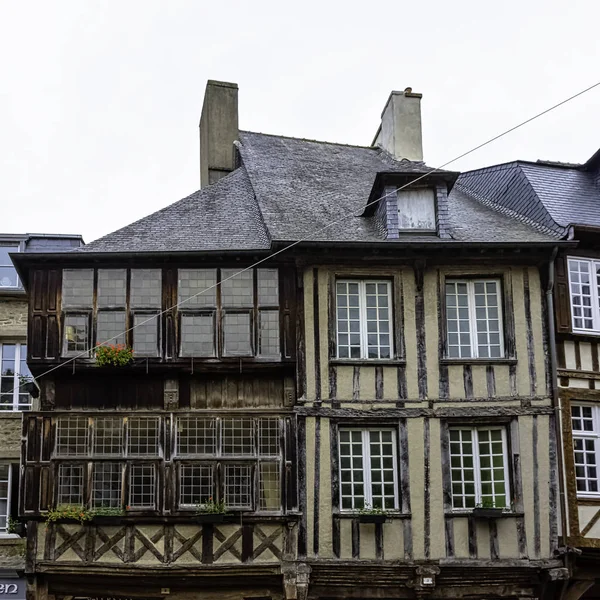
{"x":106,"y":486}
{"x":462,"y":471}
{"x":146,"y":289}
{"x":268,"y":342}
{"x":377,"y":299}
{"x":111,"y":327}
{"x":70,"y":485}
{"x":457,"y":319}
{"x":269,"y":437}
{"x":236,"y":334}
{"x":72,"y":436}
{"x":9,"y":380}
{"x":487,"y":322}
{"x":197,"y":288}
{"x":270,"y":494}
{"x":195,"y":485}
{"x":76,"y":334}
{"x":416,"y":210}
{"x":580,"y":282}
{"x":348,"y":319}
{"x":196,"y":436}
{"x":145,"y":335}
{"x":352,"y":484}
{"x":268,"y":287}
{"x":238,"y":437}
{"x":4,"y":496}
{"x":198,"y":335}
{"x":77,"y":288}
{"x":383,"y":469}
{"x":112,"y":288}
{"x":238,"y":486}
{"x":492,"y":468}
{"x":8,"y":274}
{"x":142,"y":486}
{"x":237,"y":289}
{"x":586,"y":468}
{"x":142,"y":436}
{"x":108,"y":436}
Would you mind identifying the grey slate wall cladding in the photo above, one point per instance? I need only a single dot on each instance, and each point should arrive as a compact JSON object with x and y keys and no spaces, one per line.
{"x":386,"y":215}
{"x":288,"y":189}
{"x":443,"y":222}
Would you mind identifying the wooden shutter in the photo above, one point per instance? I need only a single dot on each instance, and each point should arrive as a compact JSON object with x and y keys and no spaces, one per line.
{"x":562,"y":300}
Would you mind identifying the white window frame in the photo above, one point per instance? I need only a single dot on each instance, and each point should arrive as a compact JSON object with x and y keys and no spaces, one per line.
{"x":594,"y":293}
{"x":4,"y":530}
{"x":362,"y":305}
{"x":16,"y":387}
{"x":477,"y":465}
{"x":470,"y":283}
{"x":8,"y":244}
{"x":595,"y":434}
{"x":366,"y":458}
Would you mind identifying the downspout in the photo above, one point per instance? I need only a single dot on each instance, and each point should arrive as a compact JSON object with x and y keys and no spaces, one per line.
{"x":555,"y":400}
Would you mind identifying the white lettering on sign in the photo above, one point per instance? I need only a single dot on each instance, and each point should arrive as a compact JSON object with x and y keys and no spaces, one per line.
{"x":8,"y":588}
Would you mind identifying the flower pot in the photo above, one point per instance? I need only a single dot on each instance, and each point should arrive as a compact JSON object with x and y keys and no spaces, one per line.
{"x":372,"y":518}
{"x":487,"y":513}
{"x":210,"y":518}
{"x":108,"y":520}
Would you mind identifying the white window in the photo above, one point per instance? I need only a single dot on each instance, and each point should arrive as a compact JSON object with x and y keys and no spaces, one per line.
{"x":479,"y":467}
{"x":8,"y":273}
{"x":584,"y":284}
{"x":364,"y":319}
{"x":368,"y":469}
{"x":5,"y":489}
{"x":70,"y":485}
{"x":416,"y":210}
{"x":13,"y":365}
{"x":474,"y":318}
{"x":585,"y":420}
{"x":142,"y":486}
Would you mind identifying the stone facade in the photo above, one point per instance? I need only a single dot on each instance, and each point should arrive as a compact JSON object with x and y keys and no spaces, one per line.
{"x":13,"y":318}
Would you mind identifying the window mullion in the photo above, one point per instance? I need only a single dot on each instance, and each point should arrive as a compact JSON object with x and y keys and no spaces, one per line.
{"x":366,"y":452}
{"x":16,"y":377}
{"x":594,"y":292}
{"x":476,"y":466}
{"x":506,"y":469}
{"x":472,"y":319}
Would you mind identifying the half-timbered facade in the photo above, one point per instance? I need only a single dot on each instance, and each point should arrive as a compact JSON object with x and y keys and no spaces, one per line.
{"x":565,"y":198}
{"x":332,"y":342}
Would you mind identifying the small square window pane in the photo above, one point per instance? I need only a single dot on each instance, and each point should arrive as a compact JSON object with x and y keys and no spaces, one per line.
{"x":107,"y":485}
{"x":108,"y":436}
{"x":236,"y":334}
{"x":72,"y":436}
{"x":269,"y":486}
{"x":111,"y":327}
{"x":70,"y":485}
{"x":238,"y":437}
{"x":268,"y":287}
{"x":77,"y":288}
{"x":112,"y":288}
{"x":142,"y":436}
{"x":142,"y":486}
{"x":196,"y":436}
{"x":146,"y":288}
{"x":198,"y":335}
{"x":195,"y":485}
{"x":76,"y":335}
{"x":145,"y":334}
{"x":197,"y":288}
{"x":268,"y":341}
{"x":237,"y":288}
{"x":238,"y":486}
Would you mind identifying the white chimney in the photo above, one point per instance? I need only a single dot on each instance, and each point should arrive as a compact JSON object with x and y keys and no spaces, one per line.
{"x":400,"y":130}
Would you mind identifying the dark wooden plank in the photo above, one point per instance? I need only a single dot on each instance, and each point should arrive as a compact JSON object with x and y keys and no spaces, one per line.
{"x":333,"y":383}
{"x":408,"y":541}
{"x":404,"y":467}
{"x":402,"y":386}
{"x":300,"y":337}
{"x":444,"y":388}
{"x":317,"y":481}
{"x":449,"y":533}
{"x":379,"y":382}
{"x":577,"y":355}
{"x":379,"y":541}
{"x":472,"y":533}
{"x":560,"y":354}
{"x":468,"y":380}
{"x":335,"y":487}
{"x":490,"y":379}
{"x":355,"y":538}
{"x":356,"y":384}
{"x":427,"y":489}
{"x":594,"y":349}
{"x":494,"y":545}
{"x":553,"y":514}
{"x":247,"y":542}
{"x":536,"y":489}
{"x":529,"y":333}
{"x":512,"y":378}
{"x":420,"y":327}
{"x":302,"y":501}
{"x":317,"y":335}
{"x":207,"y":543}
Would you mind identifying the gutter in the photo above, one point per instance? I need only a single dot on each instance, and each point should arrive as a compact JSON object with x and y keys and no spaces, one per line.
{"x":555,"y":399}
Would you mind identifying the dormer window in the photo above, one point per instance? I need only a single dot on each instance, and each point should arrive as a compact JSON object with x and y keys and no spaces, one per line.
{"x":416,"y":210}
{"x":8,"y":273}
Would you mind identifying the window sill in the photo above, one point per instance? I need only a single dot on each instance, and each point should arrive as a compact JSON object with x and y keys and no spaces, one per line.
{"x":478,"y":361}
{"x":593,"y":500}
{"x":10,"y":539}
{"x":13,"y":414}
{"x":469,"y":514}
{"x":389,"y":515}
{"x":367,"y":362}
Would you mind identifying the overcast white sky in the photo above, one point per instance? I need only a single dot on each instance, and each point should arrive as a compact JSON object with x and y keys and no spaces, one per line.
{"x":100,"y":101}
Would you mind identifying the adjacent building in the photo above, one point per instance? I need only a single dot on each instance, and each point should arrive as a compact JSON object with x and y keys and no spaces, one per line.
{"x":565,"y":199}
{"x":341,"y":350}
{"x":17,"y":394}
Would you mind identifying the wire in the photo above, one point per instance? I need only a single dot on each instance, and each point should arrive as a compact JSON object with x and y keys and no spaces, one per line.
{"x":331,"y":224}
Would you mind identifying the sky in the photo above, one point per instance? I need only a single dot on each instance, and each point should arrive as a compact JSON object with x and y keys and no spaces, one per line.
{"x":100,"y":101}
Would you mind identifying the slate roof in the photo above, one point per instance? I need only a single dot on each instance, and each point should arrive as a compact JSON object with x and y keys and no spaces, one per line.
{"x":287,"y":189}
{"x":553,"y":195}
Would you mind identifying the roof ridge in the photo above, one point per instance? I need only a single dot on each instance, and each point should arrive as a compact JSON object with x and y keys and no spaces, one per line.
{"x":508,"y":212}
{"x":290,"y":137}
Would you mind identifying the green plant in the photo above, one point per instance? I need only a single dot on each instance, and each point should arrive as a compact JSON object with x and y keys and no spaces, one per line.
{"x":489,"y":503}
{"x":69,"y":511}
{"x":371,"y":510}
{"x":25,"y":379}
{"x":12,"y":525}
{"x":212,"y":508}
{"x":107,"y":511}
{"x":116,"y":355}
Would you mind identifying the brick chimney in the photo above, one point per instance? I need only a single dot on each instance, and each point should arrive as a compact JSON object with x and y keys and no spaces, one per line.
{"x":218,"y":131}
{"x":400,"y":130}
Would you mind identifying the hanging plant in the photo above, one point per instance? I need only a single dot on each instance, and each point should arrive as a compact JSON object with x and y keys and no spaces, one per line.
{"x":114,"y":355}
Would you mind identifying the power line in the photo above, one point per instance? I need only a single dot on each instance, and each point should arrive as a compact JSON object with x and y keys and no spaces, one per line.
{"x":331,"y":224}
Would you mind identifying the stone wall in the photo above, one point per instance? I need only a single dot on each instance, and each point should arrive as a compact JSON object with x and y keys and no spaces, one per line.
{"x":13,"y":318}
